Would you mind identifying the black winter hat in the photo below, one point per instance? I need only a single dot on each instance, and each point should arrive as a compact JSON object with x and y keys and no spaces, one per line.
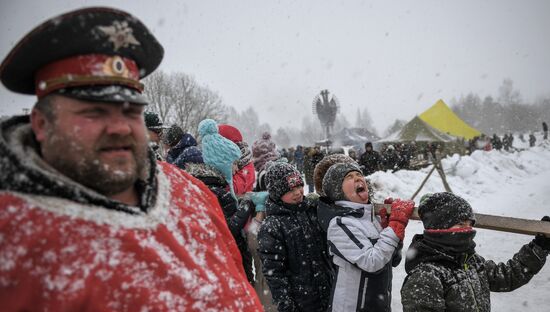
{"x":443,"y":210}
{"x":280,"y":178}
{"x":172,"y":135}
{"x":152,"y":121}
{"x":332,"y":182}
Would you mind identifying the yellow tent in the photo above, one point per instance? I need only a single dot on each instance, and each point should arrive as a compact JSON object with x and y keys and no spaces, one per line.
{"x":442,"y":118}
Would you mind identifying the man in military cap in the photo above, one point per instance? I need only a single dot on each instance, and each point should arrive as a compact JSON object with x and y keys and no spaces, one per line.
{"x":88,"y":219}
{"x":155,"y":130}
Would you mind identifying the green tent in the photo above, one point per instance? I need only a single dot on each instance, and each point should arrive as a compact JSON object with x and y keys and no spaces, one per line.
{"x":419,"y":131}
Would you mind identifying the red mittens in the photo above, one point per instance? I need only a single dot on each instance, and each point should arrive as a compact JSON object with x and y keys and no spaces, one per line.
{"x":401,"y":211}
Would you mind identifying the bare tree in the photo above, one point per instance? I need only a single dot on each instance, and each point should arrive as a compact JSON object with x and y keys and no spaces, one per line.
{"x":311,"y":131}
{"x":179,"y":99}
{"x":157,"y":92}
{"x":493,"y":117}
{"x":364,"y":120}
{"x":396,"y":126}
{"x":282,"y":138}
{"x":248,"y":122}
{"x":507,"y":94}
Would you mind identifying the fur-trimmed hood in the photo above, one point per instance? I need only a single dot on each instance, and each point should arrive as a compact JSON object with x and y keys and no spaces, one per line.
{"x":207,"y":174}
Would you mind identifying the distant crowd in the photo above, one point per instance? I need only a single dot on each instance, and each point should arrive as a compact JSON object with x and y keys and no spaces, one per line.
{"x":402,"y":155}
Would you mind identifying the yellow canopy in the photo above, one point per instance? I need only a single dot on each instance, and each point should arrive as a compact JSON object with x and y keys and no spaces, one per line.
{"x":442,"y":118}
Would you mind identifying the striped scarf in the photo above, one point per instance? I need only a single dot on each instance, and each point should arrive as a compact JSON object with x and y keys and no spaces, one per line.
{"x":246,"y":155}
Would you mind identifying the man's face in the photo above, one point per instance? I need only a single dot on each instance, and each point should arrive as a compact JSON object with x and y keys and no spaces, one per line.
{"x":100,"y":145}
{"x":355,"y":188}
{"x":294,"y":196}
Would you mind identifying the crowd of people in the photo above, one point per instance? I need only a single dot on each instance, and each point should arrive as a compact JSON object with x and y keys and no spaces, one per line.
{"x":324,"y":251}
{"x":105,"y":208}
{"x":400,"y":155}
{"x":389,"y":158}
{"x":505,"y":142}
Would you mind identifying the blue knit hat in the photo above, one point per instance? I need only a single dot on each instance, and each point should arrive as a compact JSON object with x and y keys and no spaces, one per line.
{"x":218,"y":151}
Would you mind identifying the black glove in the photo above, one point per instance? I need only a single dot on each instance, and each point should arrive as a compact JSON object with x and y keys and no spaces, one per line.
{"x":541,"y":240}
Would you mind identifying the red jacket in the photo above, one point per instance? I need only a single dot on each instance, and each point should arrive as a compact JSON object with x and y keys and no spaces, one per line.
{"x":243,"y":180}
{"x":60,"y":255}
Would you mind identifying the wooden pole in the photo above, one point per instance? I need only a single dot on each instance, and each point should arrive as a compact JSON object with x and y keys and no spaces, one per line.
{"x":439,"y":167}
{"x":423,"y":182}
{"x":496,"y":223}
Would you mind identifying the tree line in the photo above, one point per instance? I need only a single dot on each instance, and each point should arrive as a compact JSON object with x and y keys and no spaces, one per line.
{"x":507,"y":113}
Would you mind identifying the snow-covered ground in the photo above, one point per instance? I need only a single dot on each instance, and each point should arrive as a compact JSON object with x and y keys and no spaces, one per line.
{"x":515,"y":184}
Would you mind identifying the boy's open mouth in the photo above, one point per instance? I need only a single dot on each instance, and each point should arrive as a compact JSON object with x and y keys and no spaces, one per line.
{"x":362,"y":191}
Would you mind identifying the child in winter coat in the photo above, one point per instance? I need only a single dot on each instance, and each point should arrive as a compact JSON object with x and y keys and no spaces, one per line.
{"x":244,"y":176}
{"x":292,"y":245}
{"x":264,"y":150}
{"x":220,"y":155}
{"x":444,"y":271}
{"x":182,"y":148}
{"x":364,"y":247}
{"x":257,"y":200}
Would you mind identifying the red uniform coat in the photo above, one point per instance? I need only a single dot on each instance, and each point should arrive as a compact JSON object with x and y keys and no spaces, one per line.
{"x":56,"y":254}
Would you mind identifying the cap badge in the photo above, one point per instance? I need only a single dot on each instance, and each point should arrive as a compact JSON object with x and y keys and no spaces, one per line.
{"x":119,"y":34}
{"x":115,"y":66}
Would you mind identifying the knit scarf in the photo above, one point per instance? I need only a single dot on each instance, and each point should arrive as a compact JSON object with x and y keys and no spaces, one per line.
{"x":452,"y":243}
{"x":246,"y":155}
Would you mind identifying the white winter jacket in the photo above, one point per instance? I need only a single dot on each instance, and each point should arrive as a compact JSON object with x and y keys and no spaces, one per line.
{"x":362,"y":252}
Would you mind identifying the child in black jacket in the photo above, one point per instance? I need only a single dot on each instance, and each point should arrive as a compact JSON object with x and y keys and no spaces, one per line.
{"x":292,"y":246}
{"x":444,"y":271}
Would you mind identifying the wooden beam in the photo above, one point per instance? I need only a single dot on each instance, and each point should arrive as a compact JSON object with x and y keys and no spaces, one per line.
{"x":496,"y":223}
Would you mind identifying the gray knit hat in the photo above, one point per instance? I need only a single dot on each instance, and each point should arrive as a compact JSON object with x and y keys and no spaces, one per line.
{"x":322,"y":167}
{"x":280,"y":178}
{"x":443,"y":210}
{"x":332,"y":182}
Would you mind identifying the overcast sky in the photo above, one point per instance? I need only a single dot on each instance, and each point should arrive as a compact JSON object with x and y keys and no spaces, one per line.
{"x":396,"y":58}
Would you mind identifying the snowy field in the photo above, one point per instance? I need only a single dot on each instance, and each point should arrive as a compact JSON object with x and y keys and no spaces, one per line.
{"x":515,"y":184}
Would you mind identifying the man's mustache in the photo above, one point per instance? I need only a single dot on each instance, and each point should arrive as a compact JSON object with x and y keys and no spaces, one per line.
{"x":117,"y":142}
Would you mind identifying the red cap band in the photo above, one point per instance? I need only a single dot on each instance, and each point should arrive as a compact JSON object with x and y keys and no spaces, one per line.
{"x":87,"y":70}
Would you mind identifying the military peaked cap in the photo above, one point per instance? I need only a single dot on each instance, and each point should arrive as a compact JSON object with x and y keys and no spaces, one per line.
{"x":92,"y":53}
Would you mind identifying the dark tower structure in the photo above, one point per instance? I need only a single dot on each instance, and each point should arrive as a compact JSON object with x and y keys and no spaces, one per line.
{"x":326,"y":109}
